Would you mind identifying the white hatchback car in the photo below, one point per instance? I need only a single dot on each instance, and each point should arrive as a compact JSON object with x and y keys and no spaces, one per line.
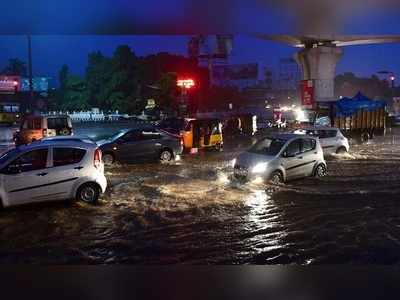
{"x":50,"y":171}
{"x":332,"y":140}
{"x":280,"y":158}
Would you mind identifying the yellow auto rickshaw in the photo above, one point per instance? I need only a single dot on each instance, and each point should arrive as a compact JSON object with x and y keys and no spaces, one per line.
{"x":202,"y":134}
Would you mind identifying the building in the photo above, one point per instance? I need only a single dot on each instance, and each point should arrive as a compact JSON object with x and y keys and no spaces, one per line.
{"x":289,"y":75}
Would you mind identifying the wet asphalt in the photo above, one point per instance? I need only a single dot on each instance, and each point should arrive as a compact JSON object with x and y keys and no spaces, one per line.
{"x":192,"y":212}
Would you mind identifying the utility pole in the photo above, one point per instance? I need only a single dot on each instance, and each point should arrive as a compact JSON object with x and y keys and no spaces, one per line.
{"x":31,"y":96}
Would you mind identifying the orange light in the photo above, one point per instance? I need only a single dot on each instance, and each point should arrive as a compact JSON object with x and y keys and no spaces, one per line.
{"x":186,"y":83}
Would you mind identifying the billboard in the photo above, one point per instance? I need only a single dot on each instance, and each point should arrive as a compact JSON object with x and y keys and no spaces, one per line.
{"x":307,"y":93}
{"x":9,"y":84}
{"x":40,"y":84}
{"x":236,"y":72}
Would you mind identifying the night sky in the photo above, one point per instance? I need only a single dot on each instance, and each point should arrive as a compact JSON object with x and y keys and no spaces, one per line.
{"x":51,"y":52}
{"x":155,"y":17}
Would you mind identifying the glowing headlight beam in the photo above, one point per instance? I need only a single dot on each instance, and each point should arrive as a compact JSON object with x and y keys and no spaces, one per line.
{"x":259,"y":168}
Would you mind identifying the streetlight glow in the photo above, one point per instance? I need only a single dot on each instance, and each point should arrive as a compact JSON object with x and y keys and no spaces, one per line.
{"x":186,"y":83}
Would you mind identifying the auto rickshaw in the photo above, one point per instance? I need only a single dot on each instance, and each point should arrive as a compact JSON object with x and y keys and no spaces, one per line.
{"x":202,"y":134}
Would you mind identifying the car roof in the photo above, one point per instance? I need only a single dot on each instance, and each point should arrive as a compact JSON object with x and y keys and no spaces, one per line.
{"x":50,"y":143}
{"x":288,"y":136}
{"x":68,"y":138}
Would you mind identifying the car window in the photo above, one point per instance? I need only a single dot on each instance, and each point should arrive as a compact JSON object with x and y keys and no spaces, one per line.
{"x":31,"y":161}
{"x":131,"y":136}
{"x":294,"y":148}
{"x":331,"y":133}
{"x":57,"y":123}
{"x":149,"y":135}
{"x":309,"y":145}
{"x":67,"y":156}
{"x":268,"y":146}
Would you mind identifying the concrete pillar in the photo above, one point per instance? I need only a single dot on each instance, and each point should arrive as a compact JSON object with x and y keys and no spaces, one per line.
{"x":319,"y":64}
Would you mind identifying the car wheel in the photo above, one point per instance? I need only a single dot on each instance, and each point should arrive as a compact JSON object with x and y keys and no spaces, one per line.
{"x":320,"y":171}
{"x":276,"y":178}
{"x":341,"y":150}
{"x":166,"y":155}
{"x":219,"y":147}
{"x":88,"y":193}
{"x":108,"y":159}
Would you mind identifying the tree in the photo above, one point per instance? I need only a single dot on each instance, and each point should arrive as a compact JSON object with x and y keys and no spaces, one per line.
{"x":63,"y":75}
{"x":74,"y":96}
{"x":15,"y":67}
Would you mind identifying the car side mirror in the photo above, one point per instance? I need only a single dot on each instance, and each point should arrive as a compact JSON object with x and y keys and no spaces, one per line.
{"x":287,"y":155}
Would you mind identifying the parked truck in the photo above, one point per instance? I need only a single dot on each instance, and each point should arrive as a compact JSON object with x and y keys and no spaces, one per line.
{"x":359,"y":117}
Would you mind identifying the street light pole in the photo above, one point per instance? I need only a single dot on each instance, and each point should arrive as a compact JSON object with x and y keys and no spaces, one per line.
{"x":31,"y":96}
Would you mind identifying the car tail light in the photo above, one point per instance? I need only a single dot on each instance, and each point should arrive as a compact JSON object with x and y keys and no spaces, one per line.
{"x":97,"y":158}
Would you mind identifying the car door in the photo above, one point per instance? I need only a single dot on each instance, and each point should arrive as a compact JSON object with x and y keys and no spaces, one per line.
{"x":152,"y":143}
{"x":328,"y":140}
{"x":309,"y":153}
{"x":67,"y":166}
{"x":26,"y":178}
{"x":293,"y":159}
{"x":135,"y":145}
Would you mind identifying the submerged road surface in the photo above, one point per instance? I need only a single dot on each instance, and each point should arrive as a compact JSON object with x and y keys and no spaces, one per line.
{"x":191,"y":212}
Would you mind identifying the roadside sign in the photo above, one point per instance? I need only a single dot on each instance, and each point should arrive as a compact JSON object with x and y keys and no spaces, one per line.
{"x":9,"y":84}
{"x":307,"y":93}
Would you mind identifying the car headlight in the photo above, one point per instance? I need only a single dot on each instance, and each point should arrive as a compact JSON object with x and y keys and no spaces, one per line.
{"x":233,"y":162}
{"x":259,"y":168}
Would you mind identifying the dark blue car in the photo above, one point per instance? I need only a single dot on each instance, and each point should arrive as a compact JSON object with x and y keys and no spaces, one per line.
{"x":134,"y":145}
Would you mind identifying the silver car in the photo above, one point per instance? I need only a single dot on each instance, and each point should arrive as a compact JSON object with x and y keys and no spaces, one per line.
{"x":51,"y":171}
{"x":280,"y":158}
{"x":332,"y":140}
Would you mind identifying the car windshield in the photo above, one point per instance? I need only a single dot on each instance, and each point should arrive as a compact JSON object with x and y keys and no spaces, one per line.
{"x":9,"y":154}
{"x":268,"y":146}
{"x":117,"y":135}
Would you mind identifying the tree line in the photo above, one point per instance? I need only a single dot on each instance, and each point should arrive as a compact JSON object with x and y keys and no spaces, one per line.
{"x":125,"y":81}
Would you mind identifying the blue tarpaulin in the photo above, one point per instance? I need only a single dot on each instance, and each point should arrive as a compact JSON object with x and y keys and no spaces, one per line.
{"x":349,"y":106}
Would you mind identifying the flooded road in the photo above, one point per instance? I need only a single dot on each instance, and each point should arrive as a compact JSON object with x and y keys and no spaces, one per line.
{"x":191,"y":212}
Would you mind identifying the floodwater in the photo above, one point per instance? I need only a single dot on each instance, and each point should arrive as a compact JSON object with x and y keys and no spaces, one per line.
{"x":191,"y":212}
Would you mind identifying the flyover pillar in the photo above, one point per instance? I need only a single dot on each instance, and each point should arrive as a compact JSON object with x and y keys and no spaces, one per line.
{"x":319,"y":64}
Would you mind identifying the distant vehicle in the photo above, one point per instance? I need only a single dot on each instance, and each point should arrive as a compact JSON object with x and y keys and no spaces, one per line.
{"x":131,"y":145}
{"x":332,"y":140}
{"x":264,"y":123}
{"x":51,"y":171}
{"x":280,"y":158}
{"x":358,"y":117}
{"x":35,"y":128}
{"x":195,"y":133}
